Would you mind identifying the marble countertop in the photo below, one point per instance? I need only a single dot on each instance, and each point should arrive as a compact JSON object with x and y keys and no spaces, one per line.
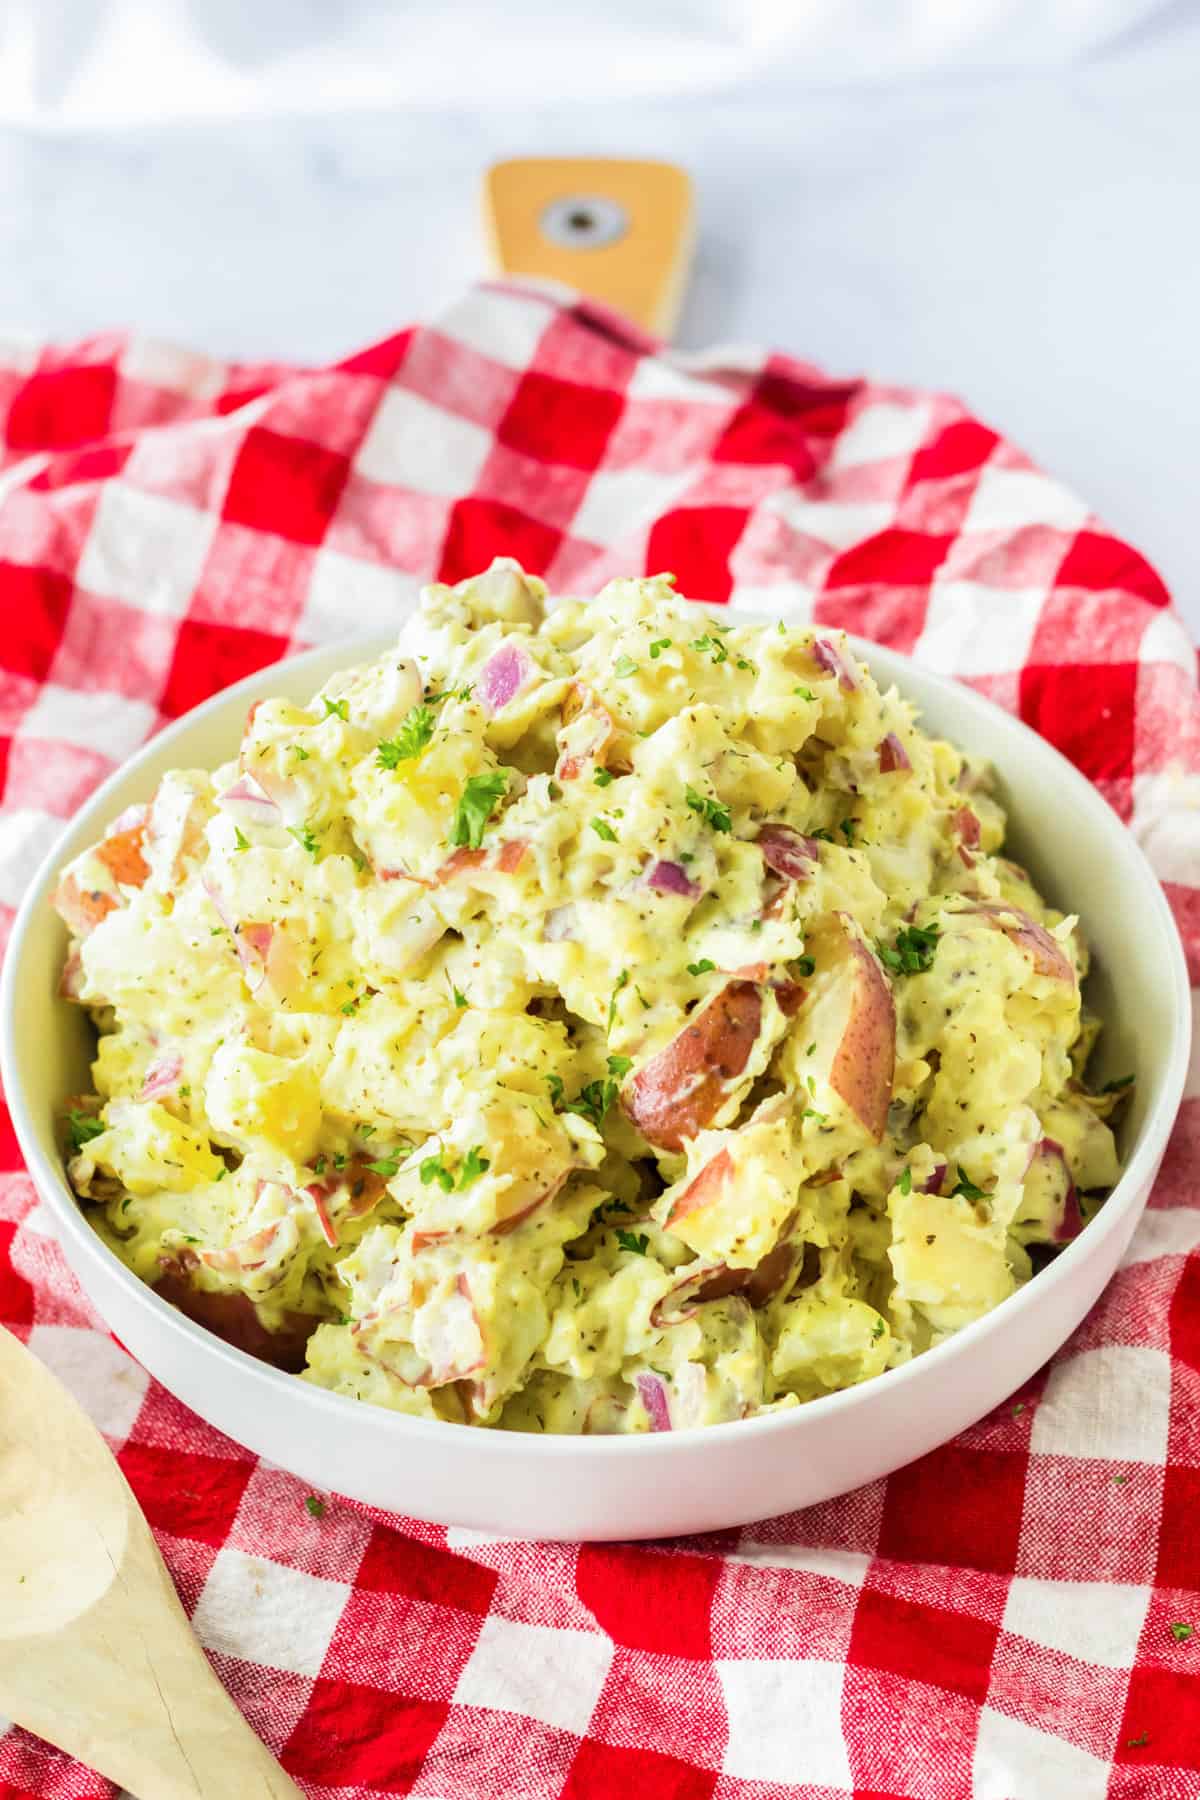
{"x":1026,"y":240}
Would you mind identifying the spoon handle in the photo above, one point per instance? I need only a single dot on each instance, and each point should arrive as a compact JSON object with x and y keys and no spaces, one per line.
{"x":96,"y":1653}
{"x":128,"y":1691}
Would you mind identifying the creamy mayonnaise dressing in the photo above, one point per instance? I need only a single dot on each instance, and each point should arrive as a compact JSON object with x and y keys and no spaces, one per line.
{"x":611,"y":1018}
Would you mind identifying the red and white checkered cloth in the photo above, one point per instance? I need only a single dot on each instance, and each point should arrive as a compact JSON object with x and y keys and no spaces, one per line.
{"x":993,"y":1622}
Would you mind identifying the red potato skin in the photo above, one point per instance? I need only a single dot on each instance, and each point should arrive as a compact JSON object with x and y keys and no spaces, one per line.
{"x":81,"y":909}
{"x":233,"y":1318}
{"x":681,"y":1090}
{"x":1043,"y":950}
{"x":864,"y":1066}
{"x":122,"y":856}
{"x":580,"y":698}
{"x":703,"y":1189}
{"x":966,"y":823}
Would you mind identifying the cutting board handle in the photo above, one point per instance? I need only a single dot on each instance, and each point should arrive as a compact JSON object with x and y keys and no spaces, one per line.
{"x":620,"y":232}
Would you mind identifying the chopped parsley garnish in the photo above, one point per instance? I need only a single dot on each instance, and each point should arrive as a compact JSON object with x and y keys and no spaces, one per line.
{"x":554,"y":791}
{"x":555,"y":1084}
{"x":388,"y":1165}
{"x":240,"y":840}
{"x":803,"y":965}
{"x":602,"y":777}
{"x":847,"y":829}
{"x":622,"y":981}
{"x":477,"y":803}
{"x":593,"y":1101}
{"x":658,"y":646}
{"x":624,"y":667}
{"x":712,"y":646}
{"x":878,"y":1329}
{"x":711,"y":811}
{"x":575,"y":1287}
{"x":460,"y":999}
{"x":604,"y":830}
{"x":703,"y":967}
{"x":352,"y":1006}
{"x":472,"y":1166}
{"x":805,"y":693}
{"x":595,"y":1097}
{"x":434,"y":1169}
{"x":905,"y":1181}
{"x":1122,"y":1081}
{"x":914,"y":950}
{"x":314,"y":1507}
{"x":744,"y":663}
{"x":339,"y":1160}
{"x":432,"y":698}
{"x":336,"y":709}
{"x":300,"y":753}
{"x":966,"y":1189}
{"x":1138,"y":1742}
{"x":82,"y":1127}
{"x":366,"y":1131}
{"x":637,"y":1246}
{"x":1181,"y":1633}
{"x":306,"y":837}
{"x":810,"y":1112}
{"x":221,"y":1174}
{"x":416,"y":729}
{"x":318,"y":1167}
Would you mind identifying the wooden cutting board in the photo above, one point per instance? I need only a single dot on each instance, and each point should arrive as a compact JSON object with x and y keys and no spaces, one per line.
{"x":620,"y":232}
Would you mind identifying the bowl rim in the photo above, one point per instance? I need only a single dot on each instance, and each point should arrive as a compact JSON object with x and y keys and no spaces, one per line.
{"x":52,"y":1187}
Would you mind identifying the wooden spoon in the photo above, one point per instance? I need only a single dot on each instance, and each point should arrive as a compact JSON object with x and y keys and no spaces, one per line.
{"x":96,"y":1653}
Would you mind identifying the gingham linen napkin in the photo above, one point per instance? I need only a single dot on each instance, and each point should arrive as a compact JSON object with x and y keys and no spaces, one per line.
{"x":1007,"y":1619}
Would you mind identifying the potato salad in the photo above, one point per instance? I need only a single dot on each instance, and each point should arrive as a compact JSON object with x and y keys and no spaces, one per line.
{"x":598,"y":1017}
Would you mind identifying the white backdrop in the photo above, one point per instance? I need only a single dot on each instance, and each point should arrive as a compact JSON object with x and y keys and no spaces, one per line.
{"x":998,"y":197}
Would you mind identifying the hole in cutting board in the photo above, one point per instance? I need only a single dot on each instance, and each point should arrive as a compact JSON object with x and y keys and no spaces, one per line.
{"x":583,"y":222}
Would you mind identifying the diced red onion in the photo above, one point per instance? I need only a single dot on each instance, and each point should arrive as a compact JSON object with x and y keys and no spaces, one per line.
{"x":652,"y":1392}
{"x":249,"y":801}
{"x":503,"y":676}
{"x":560,"y":923}
{"x":672,"y":878}
{"x":162,"y":1076}
{"x":220,"y":905}
{"x":788,"y":851}
{"x":253,"y":945}
{"x":933,"y":1185}
{"x":832,"y":659}
{"x":892,"y":755}
{"x":316,"y":1194}
{"x":129,"y":820}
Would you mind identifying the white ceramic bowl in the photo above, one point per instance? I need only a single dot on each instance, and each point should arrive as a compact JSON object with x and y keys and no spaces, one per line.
{"x":654,"y":1485}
